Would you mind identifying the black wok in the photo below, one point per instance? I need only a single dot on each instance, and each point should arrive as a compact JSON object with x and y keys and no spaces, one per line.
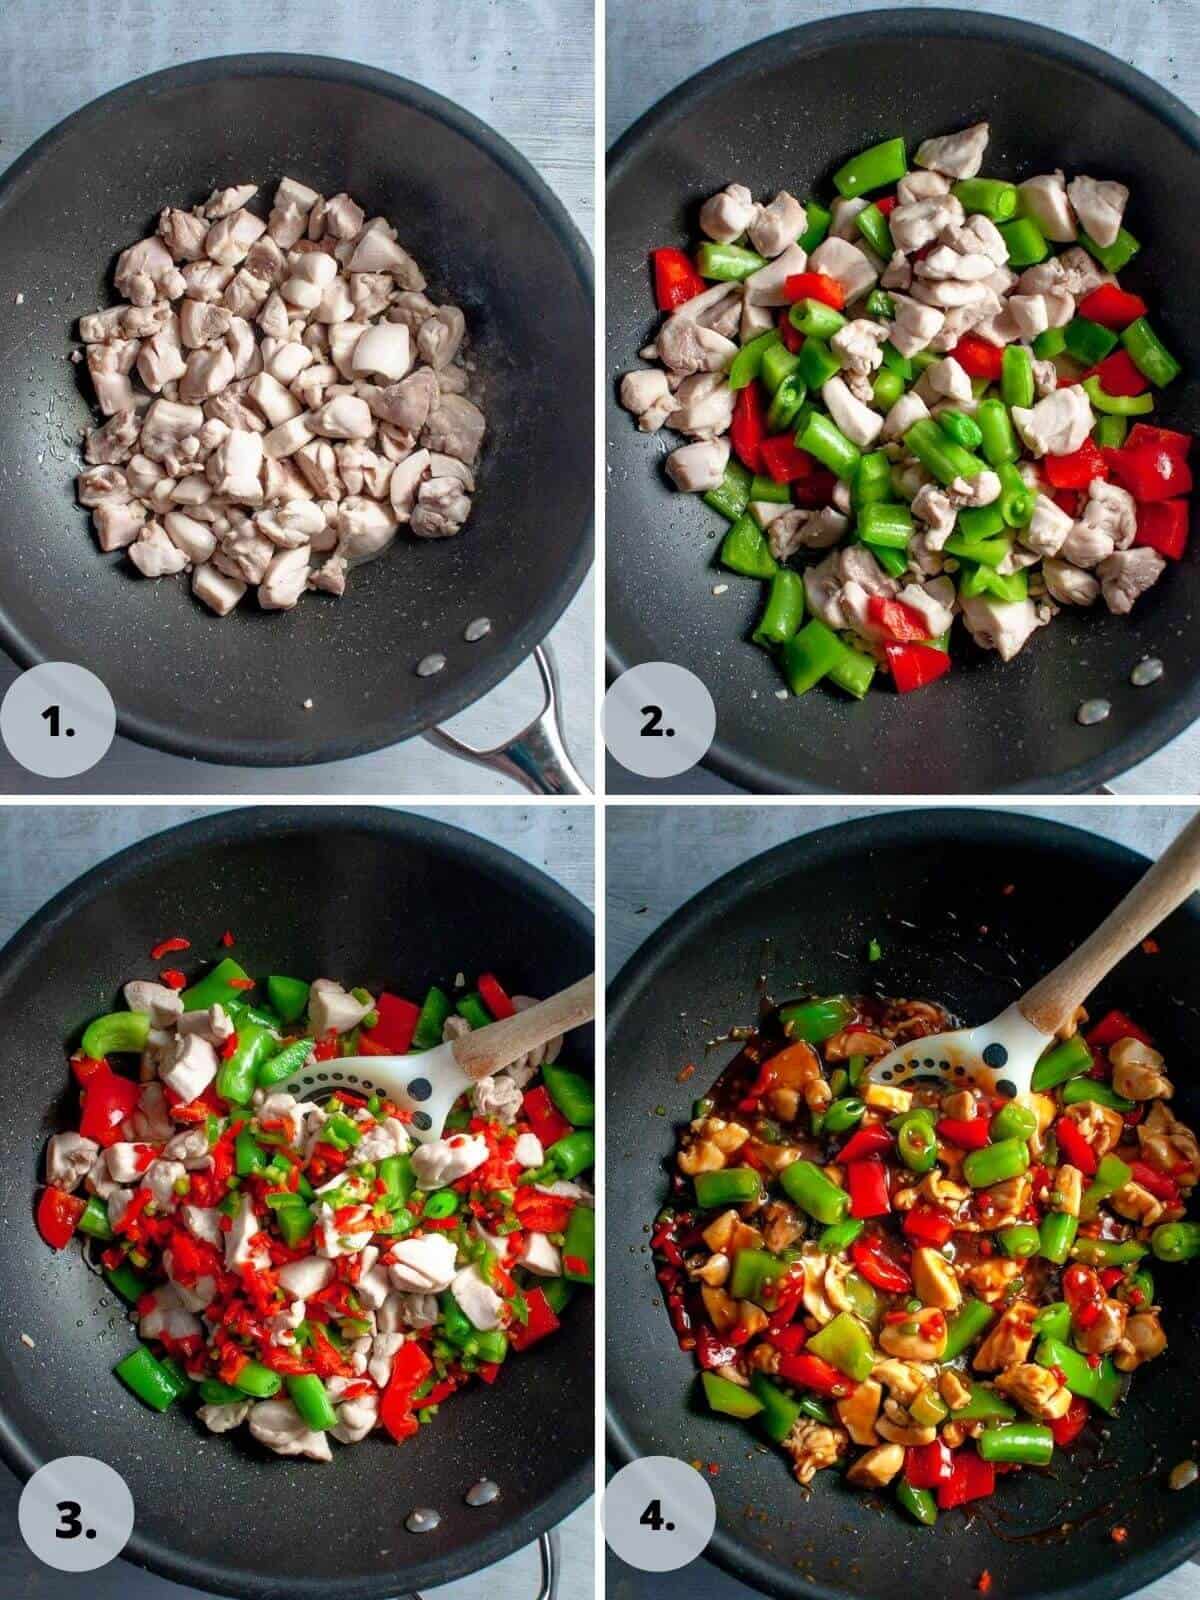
{"x":368,"y":892}
{"x":787,"y":112}
{"x":490,"y":236}
{"x":924,"y":883}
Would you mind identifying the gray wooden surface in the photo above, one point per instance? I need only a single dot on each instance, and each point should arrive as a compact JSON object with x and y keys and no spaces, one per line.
{"x":42,"y":850}
{"x":652,"y":48}
{"x":525,"y":67}
{"x":656,"y":859}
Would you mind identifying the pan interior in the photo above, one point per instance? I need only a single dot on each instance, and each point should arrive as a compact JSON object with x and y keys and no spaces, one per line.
{"x":786,"y":113}
{"x":489,"y":237}
{"x":925,"y":885}
{"x":371,"y":898}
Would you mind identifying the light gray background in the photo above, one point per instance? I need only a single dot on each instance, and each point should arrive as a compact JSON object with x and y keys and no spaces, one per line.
{"x":652,"y":48}
{"x":659,"y":857}
{"x":523,"y":66}
{"x":42,"y":850}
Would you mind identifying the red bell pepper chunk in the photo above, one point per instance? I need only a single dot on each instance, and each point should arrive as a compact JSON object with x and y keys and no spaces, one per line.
{"x":712,"y":1352}
{"x":814,"y":491}
{"x":968,"y":1133}
{"x":887,"y":204}
{"x":977,"y":357}
{"x":84,"y":1067}
{"x":913,"y":666}
{"x":494,"y":997}
{"x":1067,"y":1428}
{"x":790,"y":1340}
{"x":878,"y":1268}
{"x":867,"y":1183}
{"x":107,"y":1101}
{"x":873,"y":1140}
{"x":1114,"y":1025}
{"x":924,"y":1225}
{"x":1160,"y":1185}
{"x":675,"y":279}
{"x":1066,"y":500}
{"x":748,"y":429}
{"x":1111,"y":306}
{"x":489,"y":1371}
{"x":792,"y":337}
{"x":784,"y":460}
{"x":971,"y":1478}
{"x":1163,"y":526}
{"x":903,"y":622}
{"x":1078,"y":469}
{"x":1075,"y":1147}
{"x":813,"y":1372}
{"x":1150,"y":471}
{"x":58,"y":1216}
{"x":815,"y":286}
{"x":1119,"y":375}
{"x":542,"y":1322}
{"x":1178,"y":444}
{"x":410,"y":1367}
{"x":543,"y":1116}
{"x":397,"y":1021}
{"x":928,"y":1465}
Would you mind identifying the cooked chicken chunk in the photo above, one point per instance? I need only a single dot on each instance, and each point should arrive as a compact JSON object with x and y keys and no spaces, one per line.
{"x":1100,"y":206}
{"x":956,"y":155}
{"x":1127,"y":574}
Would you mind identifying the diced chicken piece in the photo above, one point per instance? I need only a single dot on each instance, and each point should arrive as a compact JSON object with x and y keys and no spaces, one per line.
{"x":915,"y":325}
{"x":383,"y":349}
{"x":948,"y":378}
{"x":1045,"y":200}
{"x":1144,"y":1339}
{"x":857,"y":421}
{"x":424,"y":1265}
{"x":1100,"y":207}
{"x":229,"y":239}
{"x":1048,"y":527}
{"x":921,"y":186}
{"x":118,"y":523}
{"x":183,"y":233}
{"x":647,"y":394}
{"x":848,"y":263}
{"x":685,"y":346}
{"x":979,"y":235}
{"x":441,"y":510}
{"x":441,"y":1161}
{"x":1111,"y":510}
{"x":69,"y":1159}
{"x":278,"y":1425}
{"x":162,"y":1005}
{"x":696,"y":468}
{"x":823,"y":589}
{"x":219,"y":591}
{"x":233,"y":468}
{"x":727,"y":215}
{"x":935,"y":508}
{"x":1138,"y":1071}
{"x":286,"y":439}
{"x":944,"y":265}
{"x":330,"y":1007}
{"x":898,"y":273}
{"x":955,"y":155}
{"x":152,"y":553}
{"x":1086,"y":546}
{"x":455,"y":428}
{"x":202,"y":323}
{"x":1000,"y":625}
{"x":304,"y":1278}
{"x":196,"y":541}
{"x":1081,"y":272}
{"x":168,"y":1315}
{"x":921,"y":222}
{"x":981,"y":490}
{"x":1069,"y":585}
{"x":703,"y":406}
{"x":476,"y":1298}
{"x":439,"y":337}
{"x":766,"y":286}
{"x":285,"y":580}
{"x":908,"y":409}
{"x":933,"y":1276}
{"x":934,"y":602}
{"x":778,"y":225}
{"x":1009,"y":1340}
{"x":856,"y":564}
{"x":1045,"y":378}
{"x":1036,"y":1390}
{"x":1030,"y":315}
{"x":1057,"y":425}
{"x":859,"y":345}
{"x":343,"y":417}
{"x":876,"y":1467}
{"x":1127,"y":574}
{"x":145,"y":273}
{"x":842,"y":214}
{"x":193,"y":1067}
{"x":813,"y":1446}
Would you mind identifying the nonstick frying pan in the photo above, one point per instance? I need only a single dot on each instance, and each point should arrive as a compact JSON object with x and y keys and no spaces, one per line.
{"x":370,"y":895}
{"x":490,"y":237}
{"x":785,"y":113}
{"x":926,"y":884}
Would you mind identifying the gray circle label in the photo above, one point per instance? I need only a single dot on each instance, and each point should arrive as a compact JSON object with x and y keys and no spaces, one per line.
{"x":76,"y":1514}
{"x":658,"y":719}
{"x":58,"y":719}
{"x":658,"y":1514}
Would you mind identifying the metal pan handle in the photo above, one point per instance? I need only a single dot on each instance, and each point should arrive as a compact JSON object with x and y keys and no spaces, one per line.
{"x":537,"y":756}
{"x":548,"y":1550}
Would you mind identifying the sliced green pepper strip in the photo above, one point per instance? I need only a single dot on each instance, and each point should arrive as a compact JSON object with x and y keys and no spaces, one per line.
{"x":1081,"y":1089}
{"x":1017,"y":499}
{"x":144,"y":1375}
{"x":964,"y":1328}
{"x":876,"y":168}
{"x":826,"y":441}
{"x":1013,"y":1121}
{"x":727,"y":263}
{"x":1109,"y":1252}
{"x":990,"y":197}
{"x":1102,"y":1384}
{"x":1026,"y":243}
{"x":215,"y":989}
{"x":435,"y":1008}
{"x":729,"y":1399}
{"x":1050,"y":343}
{"x":1062,"y":1061}
{"x":94,"y":1220}
{"x":873,"y":226}
{"x":118,"y":1033}
{"x":579,"y":1246}
{"x":311,"y":1399}
{"x":1112,"y":257}
{"x":964,"y":430}
{"x":995,"y":1163}
{"x":1057,"y":1235}
{"x":1117,"y":405}
{"x":238,"y":1077}
{"x":919,"y":1503}
{"x":886,"y":389}
{"x":574,"y":1153}
{"x":784,"y":610}
{"x":745,"y":550}
{"x":1109,"y":432}
{"x":747,"y":363}
{"x":248,"y":1154}
{"x":126,"y":1282}
{"x":786,"y":403}
{"x":810,"y":655}
{"x":1053,"y":1321}
{"x":753,"y":1272}
{"x":818,"y":226}
{"x":1021,"y":1240}
{"x":845,"y":1344}
{"x":296,"y":1222}
{"x":572,"y":1093}
{"x":894,"y":362}
{"x":472,"y":1008}
{"x":215,"y":1393}
{"x":288,"y":996}
{"x":805,"y":1184}
{"x":938,"y":453}
{"x":779,"y":1411}
{"x":815,"y":319}
{"x":816,"y":364}
{"x":1029,"y":1444}
{"x":275,"y":1068}
{"x":1089,"y":342}
{"x":259,"y":1381}
{"x":1176,"y":1241}
{"x":872,"y":481}
{"x":985,"y":1405}
{"x":1016,"y":376}
{"x":883,"y":522}
{"x":732,"y":1186}
{"x":838,"y":1238}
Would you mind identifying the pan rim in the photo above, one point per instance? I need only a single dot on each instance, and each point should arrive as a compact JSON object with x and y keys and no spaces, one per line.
{"x":241,"y":825}
{"x":441,"y":703}
{"x":857,"y":836}
{"x":744,"y":768}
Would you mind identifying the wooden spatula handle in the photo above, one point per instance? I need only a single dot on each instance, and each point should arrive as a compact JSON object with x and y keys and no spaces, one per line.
{"x":1052,"y":1002}
{"x":488,"y":1049}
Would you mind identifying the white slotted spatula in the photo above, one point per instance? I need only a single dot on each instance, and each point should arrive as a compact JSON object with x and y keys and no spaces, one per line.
{"x":1000,"y":1056}
{"x":429,"y":1082}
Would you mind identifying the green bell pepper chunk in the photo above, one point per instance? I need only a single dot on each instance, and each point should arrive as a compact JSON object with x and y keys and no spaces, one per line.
{"x":1112,"y":257}
{"x":1029,"y":1444}
{"x":1026,"y":246}
{"x":845,"y":1344}
{"x":398,"y":1178}
{"x":1013,"y":1121}
{"x":985,"y":1405}
{"x":873,"y":226}
{"x":215,"y":989}
{"x":574,"y":1153}
{"x":878,"y":167}
{"x":471,"y":1007}
{"x":435,"y":1008}
{"x":118,"y":1033}
{"x":296,"y":1222}
{"x":558,"y":1293}
{"x":779,"y":1411}
{"x":727,"y":263}
{"x":995,"y":1163}
{"x":1021,"y":1240}
{"x":94,"y":1220}
{"x":238,"y":1077}
{"x":964,"y":1328}
{"x":784,"y":610}
{"x":818,"y":226}
{"x":730,"y":498}
{"x":753,"y":1273}
{"x":126,"y":1282}
{"x":805,"y":1184}
{"x":1089,"y":342}
{"x":283,"y":1063}
{"x":839,"y":1236}
{"x":288,"y":996}
{"x":814,"y":1021}
{"x":1101,"y":1385}
{"x":215,"y":1393}
{"x":778,"y":363}
{"x":919,"y":1503}
{"x":1060,"y":1062}
{"x":1057,"y":1235}
{"x":572,"y":1093}
{"x":248,"y":1154}
{"x":815,"y":320}
{"x":732,"y":1186}
{"x":1053,"y":1321}
{"x":1080,"y":1089}
{"x":747,"y":363}
{"x":146,"y":1377}
{"x":258,"y":1381}
{"x":745,"y":550}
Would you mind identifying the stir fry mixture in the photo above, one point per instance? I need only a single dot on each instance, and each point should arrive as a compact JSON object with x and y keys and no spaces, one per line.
{"x":282,"y":396}
{"x":916,"y":405}
{"x":930,"y":1287}
{"x":308,"y":1269}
